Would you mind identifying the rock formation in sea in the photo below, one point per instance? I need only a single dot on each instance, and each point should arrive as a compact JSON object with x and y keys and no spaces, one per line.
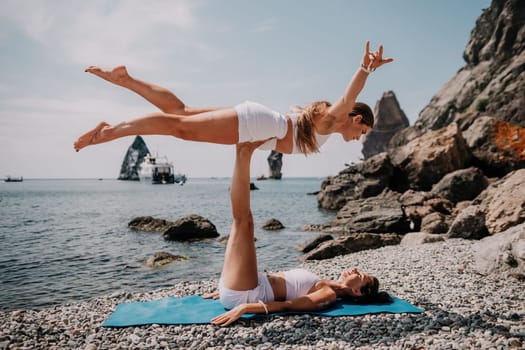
{"x":389,"y":119}
{"x":132,"y":160}
{"x":272,"y":225}
{"x":460,"y":170}
{"x":188,"y":228}
{"x":275,"y":162}
{"x":162,"y":258}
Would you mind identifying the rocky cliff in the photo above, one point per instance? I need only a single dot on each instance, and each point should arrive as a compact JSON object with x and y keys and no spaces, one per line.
{"x":493,"y":80}
{"x":389,"y":119}
{"x":460,"y":169}
{"x":134,"y":156}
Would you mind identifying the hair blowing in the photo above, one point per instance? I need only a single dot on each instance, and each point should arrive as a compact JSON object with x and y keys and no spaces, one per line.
{"x":305,"y":139}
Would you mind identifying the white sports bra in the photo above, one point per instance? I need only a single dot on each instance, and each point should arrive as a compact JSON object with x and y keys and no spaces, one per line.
{"x":299,"y":282}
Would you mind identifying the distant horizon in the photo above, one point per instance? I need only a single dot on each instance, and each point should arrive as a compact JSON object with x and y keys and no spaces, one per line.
{"x":210,"y":54}
{"x":191,"y":177}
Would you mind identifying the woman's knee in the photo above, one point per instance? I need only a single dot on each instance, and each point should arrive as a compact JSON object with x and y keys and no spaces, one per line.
{"x":179,"y":127}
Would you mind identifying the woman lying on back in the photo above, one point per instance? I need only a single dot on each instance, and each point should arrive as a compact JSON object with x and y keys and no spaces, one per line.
{"x":243,"y":289}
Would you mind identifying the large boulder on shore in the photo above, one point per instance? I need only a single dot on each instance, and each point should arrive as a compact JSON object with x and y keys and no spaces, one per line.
{"x":497,"y":146}
{"x":417,"y":238}
{"x":389,"y":119}
{"x":380,"y":214}
{"x":503,"y":253}
{"x":366,"y":179}
{"x":469,"y":224}
{"x":350,"y":244}
{"x":424,"y":161}
{"x":191,"y":227}
{"x":418,"y":205}
{"x":314,"y":243}
{"x":461,"y":185}
{"x":503,"y":202}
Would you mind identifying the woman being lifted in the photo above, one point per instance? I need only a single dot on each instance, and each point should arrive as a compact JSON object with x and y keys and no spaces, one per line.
{"x":243,"y":289}
{"x":302,"y":132}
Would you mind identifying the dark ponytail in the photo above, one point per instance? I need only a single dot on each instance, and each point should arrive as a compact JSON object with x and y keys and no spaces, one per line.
{"x":370,"y":294}
{"x":363,"y":109}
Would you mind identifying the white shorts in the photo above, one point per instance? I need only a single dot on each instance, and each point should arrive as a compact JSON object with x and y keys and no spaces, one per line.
{"x":231,"y":298}
{"x":258,"y":122}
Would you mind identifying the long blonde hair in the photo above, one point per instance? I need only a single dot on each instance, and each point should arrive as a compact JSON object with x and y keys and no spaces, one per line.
{"x":305,"y":139}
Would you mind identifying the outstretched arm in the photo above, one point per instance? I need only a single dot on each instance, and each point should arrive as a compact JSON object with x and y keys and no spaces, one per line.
{"x":370,"y":61}
{"x":312,"y":302}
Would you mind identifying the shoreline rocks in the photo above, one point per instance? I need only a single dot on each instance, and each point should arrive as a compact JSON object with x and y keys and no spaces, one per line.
{"x":350,"y":243}
{"x":163,"y":258}
{"x":273,"y":225}
{"x":192,"y":227}
{"x":188,"y":228}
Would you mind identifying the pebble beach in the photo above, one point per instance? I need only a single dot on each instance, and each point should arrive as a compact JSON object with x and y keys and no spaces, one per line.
{"x":462,"y":310}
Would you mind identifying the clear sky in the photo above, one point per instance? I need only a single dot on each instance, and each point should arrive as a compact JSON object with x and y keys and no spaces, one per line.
{"x":218,"y":53}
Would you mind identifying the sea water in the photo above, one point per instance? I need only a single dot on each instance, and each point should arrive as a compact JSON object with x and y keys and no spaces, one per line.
{"x":67,"y":240}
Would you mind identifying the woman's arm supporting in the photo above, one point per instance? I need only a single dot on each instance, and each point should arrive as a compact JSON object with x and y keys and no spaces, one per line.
{"x":370,"y":61}
{"x":311,"y":302}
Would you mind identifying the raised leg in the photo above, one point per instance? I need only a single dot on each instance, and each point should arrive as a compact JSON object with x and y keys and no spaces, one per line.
{"x":239,"y":271}
{"x":220,"y":126}
{"x":160,"y":97}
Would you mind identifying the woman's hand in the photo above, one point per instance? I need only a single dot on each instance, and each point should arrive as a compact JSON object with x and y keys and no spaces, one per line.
{"x":373,"y":60}
{"x":214,"y":295}
{"x":229,"y":317}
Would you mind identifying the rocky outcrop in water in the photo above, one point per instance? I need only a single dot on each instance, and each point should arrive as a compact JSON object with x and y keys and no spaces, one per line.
{"x":132,"y":160}
{"x":189,"y":228}
{"x":149,"y":224}
{"x":273,"y":225}
{"x":162,"y":258}
{"x":275,"y":162}
{"x":389,"y":119}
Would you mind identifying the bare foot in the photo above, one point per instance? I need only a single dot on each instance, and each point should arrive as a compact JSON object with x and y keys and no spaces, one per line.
{"x":92,"y":137}
{"x":118,"y":75}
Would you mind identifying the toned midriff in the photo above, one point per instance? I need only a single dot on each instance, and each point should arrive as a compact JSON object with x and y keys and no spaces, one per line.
{"x":278,"y":285}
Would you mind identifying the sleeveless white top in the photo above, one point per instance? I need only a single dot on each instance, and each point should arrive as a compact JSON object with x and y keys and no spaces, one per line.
{"x":299,"y":282}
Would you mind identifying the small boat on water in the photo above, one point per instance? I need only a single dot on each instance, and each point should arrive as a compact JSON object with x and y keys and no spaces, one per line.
{"x":13,"y":179}
{"x":158,"y":170}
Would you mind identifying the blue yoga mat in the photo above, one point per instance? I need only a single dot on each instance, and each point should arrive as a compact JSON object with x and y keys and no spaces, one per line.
{"x":197,"y":310}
